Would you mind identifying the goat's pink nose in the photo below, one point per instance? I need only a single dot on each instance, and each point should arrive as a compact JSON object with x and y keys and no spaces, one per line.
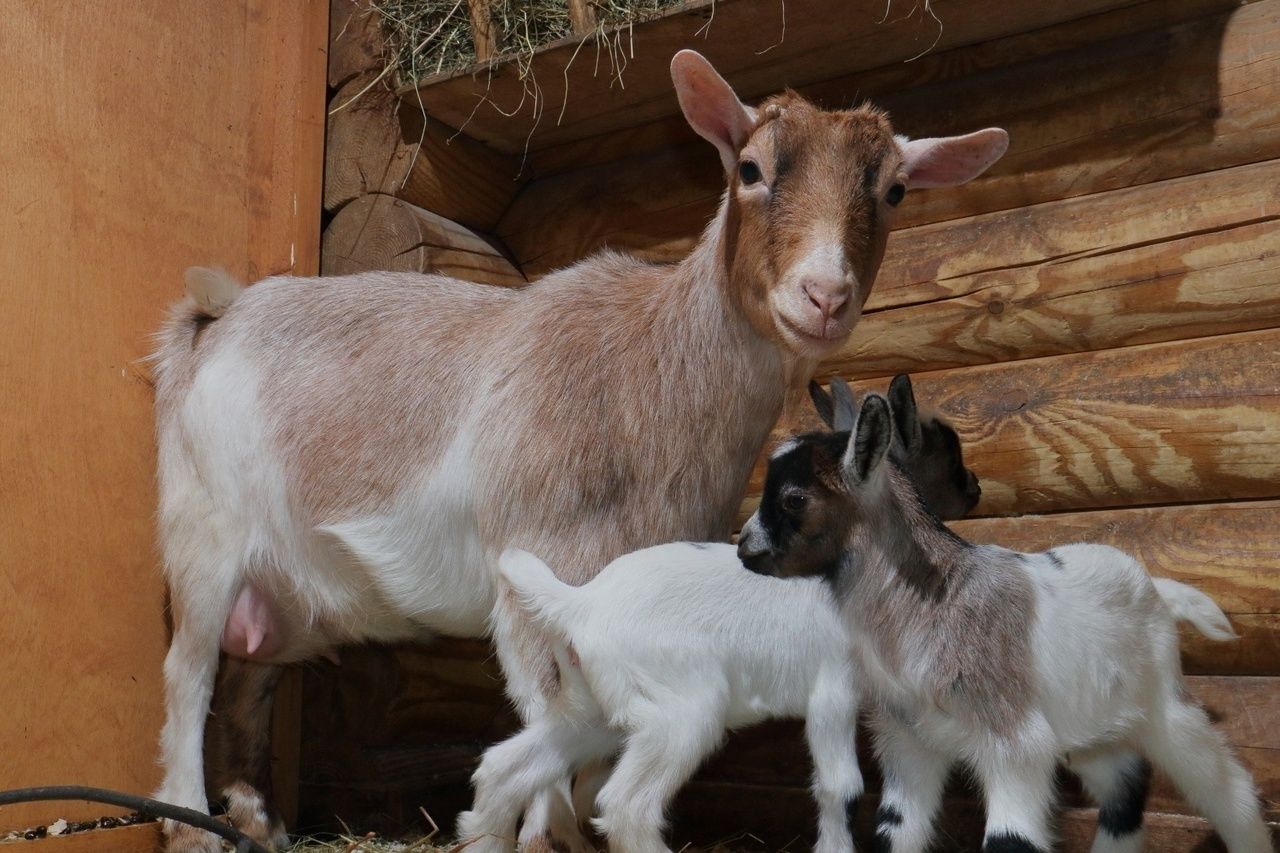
{"x":826,"y":297}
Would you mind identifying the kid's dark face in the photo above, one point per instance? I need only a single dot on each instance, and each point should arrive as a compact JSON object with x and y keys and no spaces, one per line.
{"x":948,"y":488}
{"x":798,"y":531}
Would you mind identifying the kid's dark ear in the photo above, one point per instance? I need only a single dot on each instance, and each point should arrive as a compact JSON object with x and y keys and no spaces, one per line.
{"x":869,"y":443}
{"x":822,"y":402}
{"x":845,"y":410}
{"x":902,"y":401}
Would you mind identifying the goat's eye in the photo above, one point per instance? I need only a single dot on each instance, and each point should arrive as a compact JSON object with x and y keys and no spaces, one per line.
{"x":794,"y":502}
{"x":749,"y":172}
{"x":895,"y":194}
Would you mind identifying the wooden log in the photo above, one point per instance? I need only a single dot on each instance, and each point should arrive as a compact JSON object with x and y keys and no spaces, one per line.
{"x":363,"y":149}
{"x":357,"y":43}
{"x":1215,"y":83}
{"x":372,"y":146}
{"x":380,"y":232}
{"x":1178,"y":422}
{"x":1186,"y":421}
{"x":1186,"y":286}
{"x":484,"y":33}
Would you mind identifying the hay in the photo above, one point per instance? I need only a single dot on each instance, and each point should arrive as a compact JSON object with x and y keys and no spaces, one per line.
{"x":429,"y":37}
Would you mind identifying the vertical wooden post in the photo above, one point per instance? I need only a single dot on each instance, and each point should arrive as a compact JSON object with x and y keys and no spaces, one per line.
{"x":484,"y":33}
{"x":582,"y":16}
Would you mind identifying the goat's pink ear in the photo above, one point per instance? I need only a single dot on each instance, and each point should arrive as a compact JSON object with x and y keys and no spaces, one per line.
{"x":947,"y":161}
{"x":711,"y":107}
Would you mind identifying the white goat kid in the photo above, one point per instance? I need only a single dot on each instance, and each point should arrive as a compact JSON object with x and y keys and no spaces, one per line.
{"x":661,"y":653}
{"x":342,"y":459}
{"x":1008,"y":662}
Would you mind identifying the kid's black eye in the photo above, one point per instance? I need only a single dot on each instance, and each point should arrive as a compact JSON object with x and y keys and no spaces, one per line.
{"x":749,"y":172}
{"x":895,"y":194}
{"x":794,"y":502}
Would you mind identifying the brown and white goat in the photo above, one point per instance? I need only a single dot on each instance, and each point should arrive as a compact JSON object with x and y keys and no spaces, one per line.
{"x":1010,"y":663}
{"x":343,"y":459}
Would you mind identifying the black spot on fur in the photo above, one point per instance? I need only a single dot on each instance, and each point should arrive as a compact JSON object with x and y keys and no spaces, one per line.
{"x":1122,"y":814}
{"x":1055,"y":559}
{"x":200,"y":322}
{"x":851,"y":813}
{"x":887,"y":816}
{"x":1010,"y":843}
{"x":701,"y":546}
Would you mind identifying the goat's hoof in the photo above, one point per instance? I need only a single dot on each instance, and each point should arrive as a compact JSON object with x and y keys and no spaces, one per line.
{"x":248,"y":812}
{"x":181,"y":838}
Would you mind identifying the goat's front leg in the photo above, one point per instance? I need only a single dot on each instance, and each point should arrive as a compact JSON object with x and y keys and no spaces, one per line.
{"x":831,"y":731}
{"x":914,"y":775}
{"x":1019,"y":791}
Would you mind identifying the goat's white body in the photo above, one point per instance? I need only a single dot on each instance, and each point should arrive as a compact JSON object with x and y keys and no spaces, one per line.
{"x":666,"y":649}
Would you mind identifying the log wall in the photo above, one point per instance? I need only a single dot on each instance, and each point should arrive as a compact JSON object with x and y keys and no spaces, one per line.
{"x":1099,"y":316}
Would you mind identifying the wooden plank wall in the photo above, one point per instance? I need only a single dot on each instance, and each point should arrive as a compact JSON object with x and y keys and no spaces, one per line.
{"x":139,"y":139}
{"x":1099,"y":316}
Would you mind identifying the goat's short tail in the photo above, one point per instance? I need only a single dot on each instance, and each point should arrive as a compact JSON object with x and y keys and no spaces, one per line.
{"x":541,"y":594}
{"x":212,"y":290}
{"x":1191,"y":605}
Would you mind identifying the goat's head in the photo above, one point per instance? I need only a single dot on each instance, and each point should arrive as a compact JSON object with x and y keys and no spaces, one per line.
{"x":821,"y":490}
{"x":926,"y":447}
{"x":811,"y":199}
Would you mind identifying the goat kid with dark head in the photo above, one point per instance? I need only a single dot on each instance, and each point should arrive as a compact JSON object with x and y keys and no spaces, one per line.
{"x":925,"y":445}
{"x":1011,"y":663}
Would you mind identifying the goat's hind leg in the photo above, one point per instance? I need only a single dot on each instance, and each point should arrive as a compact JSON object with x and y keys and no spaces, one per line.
{"x":239,"y":748}
{"x":190,"y":668}
{"x":666,"y":743}
{"x":1117,"y":779}
{"x":1180,"y":740}
{"x":513,"y":772}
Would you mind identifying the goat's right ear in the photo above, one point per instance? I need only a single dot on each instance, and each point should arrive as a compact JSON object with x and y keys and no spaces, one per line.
{"x":711,"y":107}
{"x":902,"y":400}
{"x":869,"y":443}
{"x":846,"y":411}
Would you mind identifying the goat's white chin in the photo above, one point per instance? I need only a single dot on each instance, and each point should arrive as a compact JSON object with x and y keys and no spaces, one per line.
{"x":802,"y":337}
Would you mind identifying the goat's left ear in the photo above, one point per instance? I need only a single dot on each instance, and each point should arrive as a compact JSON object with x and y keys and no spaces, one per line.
{"x":947,"y":161}
{"x":869,"y":443}
{"x":902,"y":400}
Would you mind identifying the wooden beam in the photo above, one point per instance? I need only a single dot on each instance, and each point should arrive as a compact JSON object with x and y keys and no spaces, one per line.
{"x":745,"y":39}
{"x":1215,"y":83}
{"x":380,"y":232}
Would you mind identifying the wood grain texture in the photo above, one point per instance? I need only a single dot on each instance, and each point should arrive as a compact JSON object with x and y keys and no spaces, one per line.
{"x":182,"y":133}
{"x":934,"y":67}
{"x":1178,"y":422}
{"x":484,"y":33}
{"x":453,"y":175}
{"x":376,"y":143}
{"x":746,"y":42}
{"x":357,"y":43}
{"x":380,"y":232}
{"x":1199,"y":96}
